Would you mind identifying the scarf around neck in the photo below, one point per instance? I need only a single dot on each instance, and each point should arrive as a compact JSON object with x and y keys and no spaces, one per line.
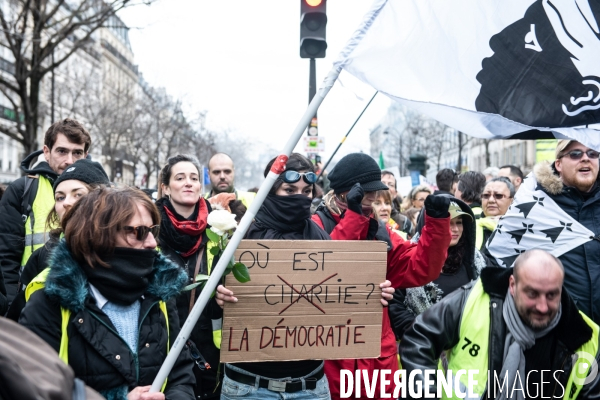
{"x":184,"y":235}
{"x":286,"y":217}
{"x":519,"y":338}
{"x":127,"y":277}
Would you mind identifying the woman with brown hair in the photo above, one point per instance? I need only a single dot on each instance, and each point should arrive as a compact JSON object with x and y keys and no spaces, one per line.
{"x":184,"y":220}
{"x":106,"y":301}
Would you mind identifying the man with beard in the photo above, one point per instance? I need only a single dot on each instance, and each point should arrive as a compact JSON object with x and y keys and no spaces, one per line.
{"x":519,"y":325}
{"x":568,"y":192}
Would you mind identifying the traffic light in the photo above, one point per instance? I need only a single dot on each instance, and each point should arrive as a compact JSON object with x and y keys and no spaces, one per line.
{"x":313,"y":21}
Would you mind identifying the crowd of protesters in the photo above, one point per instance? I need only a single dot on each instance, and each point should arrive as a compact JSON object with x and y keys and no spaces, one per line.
{"x":105,"y":275}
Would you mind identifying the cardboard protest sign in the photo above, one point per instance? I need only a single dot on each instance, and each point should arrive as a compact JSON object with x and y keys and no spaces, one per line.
{"x":306,"y":300}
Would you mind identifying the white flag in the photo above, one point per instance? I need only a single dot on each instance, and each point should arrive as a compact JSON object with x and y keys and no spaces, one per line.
{"x":489,"y":68}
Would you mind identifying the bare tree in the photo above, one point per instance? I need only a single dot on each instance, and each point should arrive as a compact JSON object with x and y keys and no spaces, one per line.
{"x":41,"y":35}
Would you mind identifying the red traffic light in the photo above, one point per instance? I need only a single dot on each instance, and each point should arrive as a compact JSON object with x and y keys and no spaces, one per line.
{"x":314,"y":3}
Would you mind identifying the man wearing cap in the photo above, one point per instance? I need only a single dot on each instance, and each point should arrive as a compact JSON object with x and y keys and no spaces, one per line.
{"x":345,"y":214}
{"x":558,"y":209}
{"x":28,"y":200}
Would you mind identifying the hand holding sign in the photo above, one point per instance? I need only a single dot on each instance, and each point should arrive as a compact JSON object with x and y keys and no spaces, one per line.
{"x":307,"y":300}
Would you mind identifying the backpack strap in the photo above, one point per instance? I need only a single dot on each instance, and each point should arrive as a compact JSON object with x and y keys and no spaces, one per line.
{"x":28,"y":196}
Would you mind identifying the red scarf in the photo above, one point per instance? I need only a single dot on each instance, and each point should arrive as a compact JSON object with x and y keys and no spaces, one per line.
{"x":192,"y":228}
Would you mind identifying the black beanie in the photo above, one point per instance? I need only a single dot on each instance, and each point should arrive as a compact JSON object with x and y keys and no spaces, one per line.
{"x":84,"y":170}
{"x":356,"y":167}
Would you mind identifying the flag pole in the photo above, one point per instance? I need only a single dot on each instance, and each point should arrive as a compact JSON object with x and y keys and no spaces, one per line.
{"x":346,"y":136}
{"x":213,"y":281}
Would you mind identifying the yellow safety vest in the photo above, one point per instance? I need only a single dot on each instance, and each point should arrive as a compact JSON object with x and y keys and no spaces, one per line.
{"x":216,"y":323}
{"x":481,"y":223}
{"x":39,"y":282}
{"x":35,"y":224}
{"x":471,"y":352}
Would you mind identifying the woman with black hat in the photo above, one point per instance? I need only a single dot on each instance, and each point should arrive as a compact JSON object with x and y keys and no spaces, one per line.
{"x":344,"y":214}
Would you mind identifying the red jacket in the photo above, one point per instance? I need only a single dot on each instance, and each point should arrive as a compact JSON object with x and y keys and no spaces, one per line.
{"x":409,"y":265}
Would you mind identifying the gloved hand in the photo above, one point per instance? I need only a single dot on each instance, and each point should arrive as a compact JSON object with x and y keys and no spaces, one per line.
{"x":437,"y":206}
{"x":354,"y":198}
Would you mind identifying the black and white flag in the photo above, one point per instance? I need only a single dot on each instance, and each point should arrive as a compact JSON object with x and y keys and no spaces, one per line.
{"x":489,"y":68}
{"x":534,"y":221}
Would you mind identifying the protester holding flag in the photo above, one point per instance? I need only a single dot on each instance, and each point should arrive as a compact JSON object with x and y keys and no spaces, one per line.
{"x":284,"y":215}
{"x":557,"y":210}
{"x":345,"y":213}
{"x":106,"y":303}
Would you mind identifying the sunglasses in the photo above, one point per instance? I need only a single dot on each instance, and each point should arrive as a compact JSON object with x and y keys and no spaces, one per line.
{"x":577,"y":154}
{"x":141,"y":232}
{"x":497,"y":196}
{"x":293,"y":177}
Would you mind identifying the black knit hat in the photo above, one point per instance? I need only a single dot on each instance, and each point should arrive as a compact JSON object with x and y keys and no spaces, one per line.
{"x":356,"y":167}
{"x":84,"y":170}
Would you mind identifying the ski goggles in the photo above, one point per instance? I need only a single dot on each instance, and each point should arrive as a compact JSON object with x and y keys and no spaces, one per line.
{"x":141,"y":232}
{"x":578,"y":154}
{"x":294,"y":176}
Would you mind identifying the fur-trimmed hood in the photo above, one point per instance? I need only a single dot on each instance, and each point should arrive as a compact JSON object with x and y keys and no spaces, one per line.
{"x":68,"y":283}
{"x":547,"y":176}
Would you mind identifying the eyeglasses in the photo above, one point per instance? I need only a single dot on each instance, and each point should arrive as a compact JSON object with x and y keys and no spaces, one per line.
{"x":497,"y":196}
{"x":141,"y":232}
{"x":577,"y":154}
{"x":294,"y":176}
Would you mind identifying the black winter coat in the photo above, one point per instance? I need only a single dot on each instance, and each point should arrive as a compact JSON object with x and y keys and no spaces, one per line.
{"x":37,"y":263}
{"x":97,"y":354}
{"x":12,"y":228}
{"x":202,"y":334}
{"x":582,"y":264}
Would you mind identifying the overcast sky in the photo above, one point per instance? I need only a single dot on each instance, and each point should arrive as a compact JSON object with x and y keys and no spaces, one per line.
{"x":239,"y":60}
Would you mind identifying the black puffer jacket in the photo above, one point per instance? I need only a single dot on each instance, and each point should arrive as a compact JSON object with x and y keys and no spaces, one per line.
{"x":438,"y":329}
{"x":12,"y":228}
{"x":97,"y":354}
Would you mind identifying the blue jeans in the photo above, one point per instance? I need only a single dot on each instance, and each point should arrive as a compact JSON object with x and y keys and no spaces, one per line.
{"x":232,"y":390}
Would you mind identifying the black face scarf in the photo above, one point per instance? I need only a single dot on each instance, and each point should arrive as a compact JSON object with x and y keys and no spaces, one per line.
{"x":128,"y":276}
{"x":285,"y":217}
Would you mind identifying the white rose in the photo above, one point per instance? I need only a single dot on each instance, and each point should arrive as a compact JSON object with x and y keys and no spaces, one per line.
{"x":221,"y":221}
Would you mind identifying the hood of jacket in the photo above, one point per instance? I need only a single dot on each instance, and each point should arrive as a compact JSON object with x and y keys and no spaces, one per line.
{"x":68,"y":283}
{"x":547,"y":177}
{"x":35,"y":164}
{"x":572,"y":330}
{"x":469,"y":228}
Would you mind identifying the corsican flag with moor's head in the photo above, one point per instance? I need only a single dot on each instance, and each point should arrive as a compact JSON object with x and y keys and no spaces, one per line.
{"x":489,"y":68}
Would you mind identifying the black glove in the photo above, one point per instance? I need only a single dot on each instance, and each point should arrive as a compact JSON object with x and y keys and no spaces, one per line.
{"x":437,"y":206}
{"x":354,"y":198}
